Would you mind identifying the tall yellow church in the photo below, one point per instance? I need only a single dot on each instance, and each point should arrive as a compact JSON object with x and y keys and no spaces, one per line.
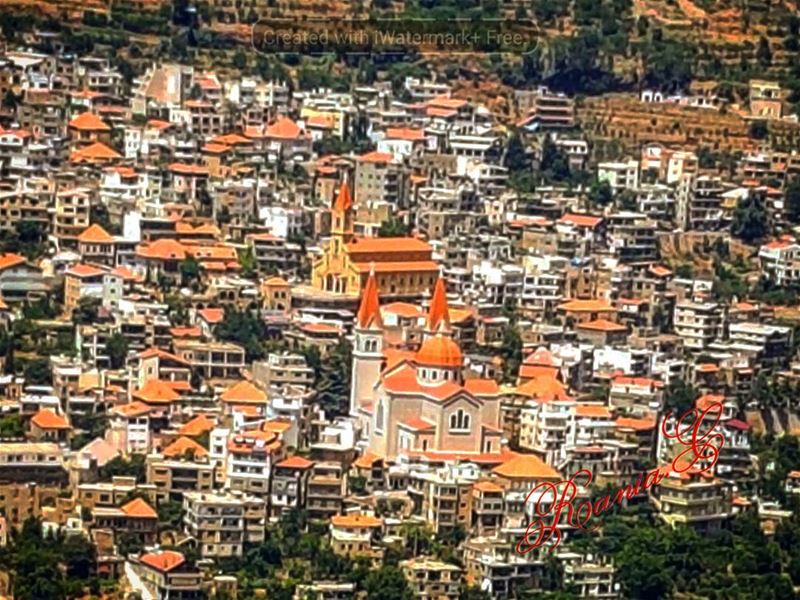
{"x":404,"y":267}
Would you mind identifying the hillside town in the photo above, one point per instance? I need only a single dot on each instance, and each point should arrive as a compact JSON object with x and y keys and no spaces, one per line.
{"x":265,"y":335}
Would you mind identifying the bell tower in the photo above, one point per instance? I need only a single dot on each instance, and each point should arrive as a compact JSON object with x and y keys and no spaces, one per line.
{"x":368,"y":348}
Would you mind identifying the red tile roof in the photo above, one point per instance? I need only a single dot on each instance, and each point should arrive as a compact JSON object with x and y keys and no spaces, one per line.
{"x":163,"y":560}
{"x":89,"y":122}
{"x":47,"y":419}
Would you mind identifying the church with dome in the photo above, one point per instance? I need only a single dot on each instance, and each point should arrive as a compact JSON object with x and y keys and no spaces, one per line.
{"x":417,"y":402}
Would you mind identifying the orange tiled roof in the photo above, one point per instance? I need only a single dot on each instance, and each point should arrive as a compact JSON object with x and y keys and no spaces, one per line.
{"x":156,"y":391}
{"x":376,"y":157}
{"x":185,"y":332}
{"x":162,"y":354}
{"x":197,"y":426}
{"x":284,"y":129}
{"x":95,"y":234}
{"x":322,"y":121}
{"x":404,"y":380}
{"x":186,"y":169}
{"x":592,"y":410}
{"x":182,"y":446}
{"x":641,"y":381}
{"x":435,"y":111}
{"x":212,"y":148}
{"x":163,"y":560}
{"x":446,"y":102}
{"x":357,"y":521}
{"x":212,"y":315}
{"x":394,"y":357}
{"x":138,"y":508}
{"x":586,"y":306}
{"x":277,"y":425}
{"x":89,"y":122}
{"x":526,"y":466}
{"x":158,"y":124}
{"x":660,"y":271}
{"x":163,"y":249}
{"x":417,"y":424}
{"x":273,"y":281}
{"x":95,"y":152}
{"x":295,"y":462}
{"x":244,"y":392}
{"x":405,"y":133}
{"x":581,"y":220}
{"x":133,"y":409}
{"x":602,"y":325}
{"x":482,"y":387}
{"x":706,"y":400}
{"x":541,"y":357}
{"x":367,"y":460}
{"x":637,"y":424}
{"x":405,"y":310}
{"x":544,"y":389}
{"x":231,"y":139}
{"x":81,"y":270}
{"x":370,"y":245}
{"x":487,"y":486}
{"x":126,"y":274}
{"x":47,"y":419}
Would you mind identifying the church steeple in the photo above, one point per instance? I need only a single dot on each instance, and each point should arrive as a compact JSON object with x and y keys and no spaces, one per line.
{"x":367,"y":349}
{"x":342,"y":213}
{"x":369,"y":313}
{"x":438,"y":320}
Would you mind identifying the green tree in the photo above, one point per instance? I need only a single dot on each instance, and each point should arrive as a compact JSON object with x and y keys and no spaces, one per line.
{"x":243,"y":328}
{"x":240,"y":60}
{"x":600,"y":193}
{"x":764,"y":52}
{"x":37,"y":372}
{"x":792,"y":200}
{"x":117,"y":350}
{"x":134,"y":466}
{"x":86,"y":311}
{"x":393,"y":227}
{"x":758,"y":130}
{"x":679,"y":397}
{"x":555,"y":163}
{"x":511,"y":352}
{"x":668,"y":63}
{"x":190,"y":271}
{"x":12,"y":426}
{"x":387,"y":583}
{"x":247,"y":260}
{"x":516,"y":157}
{"x":750,"y":219}
{"x":10,"y":100}
{"x":333,"y":383}
{"x":170,"y":515}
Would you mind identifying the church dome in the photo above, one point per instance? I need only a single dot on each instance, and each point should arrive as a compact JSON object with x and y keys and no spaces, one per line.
{"x":439,"y":351}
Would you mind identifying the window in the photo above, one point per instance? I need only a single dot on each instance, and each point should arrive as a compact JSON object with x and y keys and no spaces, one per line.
{"x":379,"y":417}
{"x":459,"y":421}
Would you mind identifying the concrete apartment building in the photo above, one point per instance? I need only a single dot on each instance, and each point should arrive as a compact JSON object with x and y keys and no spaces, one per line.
{"x":222,"y":524}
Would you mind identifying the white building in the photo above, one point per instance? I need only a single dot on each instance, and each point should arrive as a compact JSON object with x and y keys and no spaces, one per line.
{"x":698,"y":323}
{"x":619,"y":175}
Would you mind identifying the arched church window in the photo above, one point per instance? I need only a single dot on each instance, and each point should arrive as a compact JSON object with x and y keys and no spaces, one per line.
{"x":460,"y":420}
